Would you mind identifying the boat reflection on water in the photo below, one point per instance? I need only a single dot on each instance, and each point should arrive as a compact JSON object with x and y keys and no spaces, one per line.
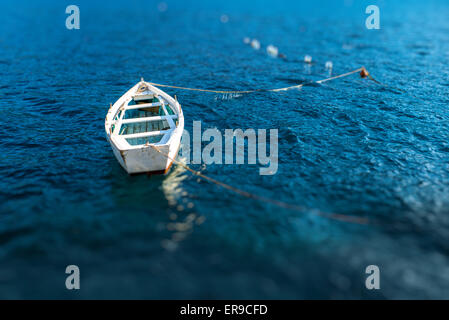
{"x":182,"y":218}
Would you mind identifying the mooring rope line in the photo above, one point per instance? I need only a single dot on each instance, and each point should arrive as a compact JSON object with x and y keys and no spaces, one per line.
{"x":363,"y":73}
{"x":336,"y":216}
{"x":341,"y":217}
{"x":362,"y":70}
{"x":285,"y":205}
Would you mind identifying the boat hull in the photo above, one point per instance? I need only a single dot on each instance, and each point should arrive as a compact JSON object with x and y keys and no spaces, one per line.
{"x":146,"y":159}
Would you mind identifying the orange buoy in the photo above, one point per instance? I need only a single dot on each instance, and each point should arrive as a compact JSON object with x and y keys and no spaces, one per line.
{"x":364,"y":73}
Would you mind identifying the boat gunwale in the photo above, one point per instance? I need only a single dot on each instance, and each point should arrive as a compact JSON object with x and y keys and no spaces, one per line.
{"x":117,"y":106}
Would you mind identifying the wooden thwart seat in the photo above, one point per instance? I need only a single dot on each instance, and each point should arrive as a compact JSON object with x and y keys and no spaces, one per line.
{"x":145,"y":134}
{"x":142,"y":106}
{"x":144,"y":119}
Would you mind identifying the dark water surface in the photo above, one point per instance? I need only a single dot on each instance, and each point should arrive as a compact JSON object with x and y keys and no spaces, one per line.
{"x":347,"y":146}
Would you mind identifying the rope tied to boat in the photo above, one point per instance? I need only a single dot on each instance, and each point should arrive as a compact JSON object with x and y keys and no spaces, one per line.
{"x":278,"y":203}
{"x":362,"y":70}
{"x":364,"y":74}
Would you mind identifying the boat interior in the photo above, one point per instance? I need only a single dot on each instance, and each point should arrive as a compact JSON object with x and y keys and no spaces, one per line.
{"x":145,"y":118}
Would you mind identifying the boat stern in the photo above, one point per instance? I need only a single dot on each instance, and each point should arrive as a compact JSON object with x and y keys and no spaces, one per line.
{"x":145,"y":160}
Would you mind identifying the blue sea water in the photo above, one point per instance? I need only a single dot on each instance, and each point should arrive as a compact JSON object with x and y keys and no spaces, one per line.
{"x":348,"y":146}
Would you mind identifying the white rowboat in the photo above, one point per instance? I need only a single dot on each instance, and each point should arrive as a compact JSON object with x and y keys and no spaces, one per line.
{"x":143,"y":117}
